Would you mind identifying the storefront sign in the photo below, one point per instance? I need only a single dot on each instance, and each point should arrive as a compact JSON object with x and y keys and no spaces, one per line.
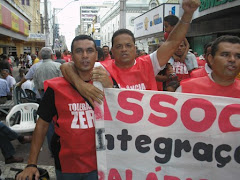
{"x":206,"y":4}
{"x":11,"y":21}
{"x":152,"y":21}
{"x":15,"y":22}
{"x":153,"y":42}
{"x":37,"y":36}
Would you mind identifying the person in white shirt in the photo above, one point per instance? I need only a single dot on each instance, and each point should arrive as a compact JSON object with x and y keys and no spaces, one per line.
{"x":10,"y":81}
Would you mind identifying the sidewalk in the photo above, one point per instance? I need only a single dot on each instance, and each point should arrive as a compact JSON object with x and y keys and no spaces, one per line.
{"x":9,"y":173}
{"x":22,"y":150}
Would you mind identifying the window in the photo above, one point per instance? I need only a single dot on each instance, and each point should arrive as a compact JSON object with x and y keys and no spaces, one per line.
{"x":23,"y":2}
{"x":27,"y":2}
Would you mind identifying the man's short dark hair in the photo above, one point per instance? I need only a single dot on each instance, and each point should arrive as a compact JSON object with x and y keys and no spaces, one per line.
{"x":21,"y":70}
{"x":83,"y":37}
{"x":6,"y":70}
{"x":206,"y":46}
{"x":123,"y":31}
{"x":225,"y":38}
{"x":171,"y":19}
{"x":105,"y":46}
{"x":3,"y":56}
{"x":100,"y":53}
{"x":173,"y":84}
{"x":58,"y":54}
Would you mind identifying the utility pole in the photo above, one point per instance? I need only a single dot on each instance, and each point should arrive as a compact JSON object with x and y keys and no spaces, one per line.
{"x":54,"y":28}
{"x":122,"y":14}
{"x":47,"y":33}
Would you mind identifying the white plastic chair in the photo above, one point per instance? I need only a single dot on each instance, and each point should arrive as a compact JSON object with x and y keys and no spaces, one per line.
{"x":27,"y":121}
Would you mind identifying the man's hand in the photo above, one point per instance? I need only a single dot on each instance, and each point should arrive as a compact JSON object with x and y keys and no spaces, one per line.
{"x":28,"y":173}
{"x":176,"y":58}
{"x":90,"y":92}
{"x":189,"y":6}
{"x":18,"y":84}
{"x":100,"y":74}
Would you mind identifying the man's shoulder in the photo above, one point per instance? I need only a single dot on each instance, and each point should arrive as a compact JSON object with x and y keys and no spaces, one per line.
{"x":56,"y":82}
{"x":36,"y":64}
{"x":196,"y":80}
{"x":237,"y":82}
{"x":189,"y":54}
{"x":3,"y":81}
{"x":49,"y":63}
{"x":10,"y":77}
{"x":60,"y":61}
{"x":143,"y":58}
{"x":198,"y":73}
{"x":106,"y":64}
{"x":56,"y":64}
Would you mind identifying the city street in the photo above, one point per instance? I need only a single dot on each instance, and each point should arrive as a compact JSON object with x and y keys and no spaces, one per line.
{"x":22,"y":150}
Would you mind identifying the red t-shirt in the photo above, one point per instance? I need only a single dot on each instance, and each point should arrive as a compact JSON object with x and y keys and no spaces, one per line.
{"x":75,"y":126}
{"x":198,"y":73}
{"x":139,"y":76}
{"x":204,"y":85}
{"x":67,"y":58}
{"x":108,"y":57}
{"x":180,"y":70}
{"x":201,"y":62}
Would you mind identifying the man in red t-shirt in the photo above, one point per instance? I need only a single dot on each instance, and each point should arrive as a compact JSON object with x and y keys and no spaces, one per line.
{"x":106,"y":53}
{"x":73,"y":142}
{"x":207,"y":67}
{"x":180,"y":68}
{"x":67,"y":57}
{"x":129,"y":72}
{"x":200,"y":61}
{"x":225,"y":62}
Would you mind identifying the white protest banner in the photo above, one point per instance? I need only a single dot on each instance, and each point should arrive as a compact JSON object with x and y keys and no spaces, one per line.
{"x":153,"y":135}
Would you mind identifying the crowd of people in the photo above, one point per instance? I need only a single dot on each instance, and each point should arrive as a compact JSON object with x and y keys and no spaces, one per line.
{"x":172,"y":67}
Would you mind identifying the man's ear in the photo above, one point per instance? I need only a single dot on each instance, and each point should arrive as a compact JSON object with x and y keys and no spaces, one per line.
{"x":210,"y":59}
{"x":96,"y":56}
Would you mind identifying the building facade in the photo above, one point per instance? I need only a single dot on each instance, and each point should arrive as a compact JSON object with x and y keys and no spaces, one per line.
{"x":21,"y":27}
{"x":148,"y":27}
{"x":87,"y":14}
{"x":213,"y":19}
{"x":14,"y":28}
{"x":110,"y":21}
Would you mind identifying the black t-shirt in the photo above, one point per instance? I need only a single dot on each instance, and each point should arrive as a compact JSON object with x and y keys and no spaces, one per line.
{"x":47,"y":109}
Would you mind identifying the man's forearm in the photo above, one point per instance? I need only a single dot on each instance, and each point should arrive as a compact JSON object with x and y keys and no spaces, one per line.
{"x":179,"y":32}
{"x":86,"y":90}
{"x":23,"y":80}
{"x":182,"y":27}
{"x":175,"y":38}
{"x":70,"y":74}
{"x":161,"y":78}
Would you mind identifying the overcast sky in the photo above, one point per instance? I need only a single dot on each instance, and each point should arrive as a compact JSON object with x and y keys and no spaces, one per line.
{"x":69,"y":17}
